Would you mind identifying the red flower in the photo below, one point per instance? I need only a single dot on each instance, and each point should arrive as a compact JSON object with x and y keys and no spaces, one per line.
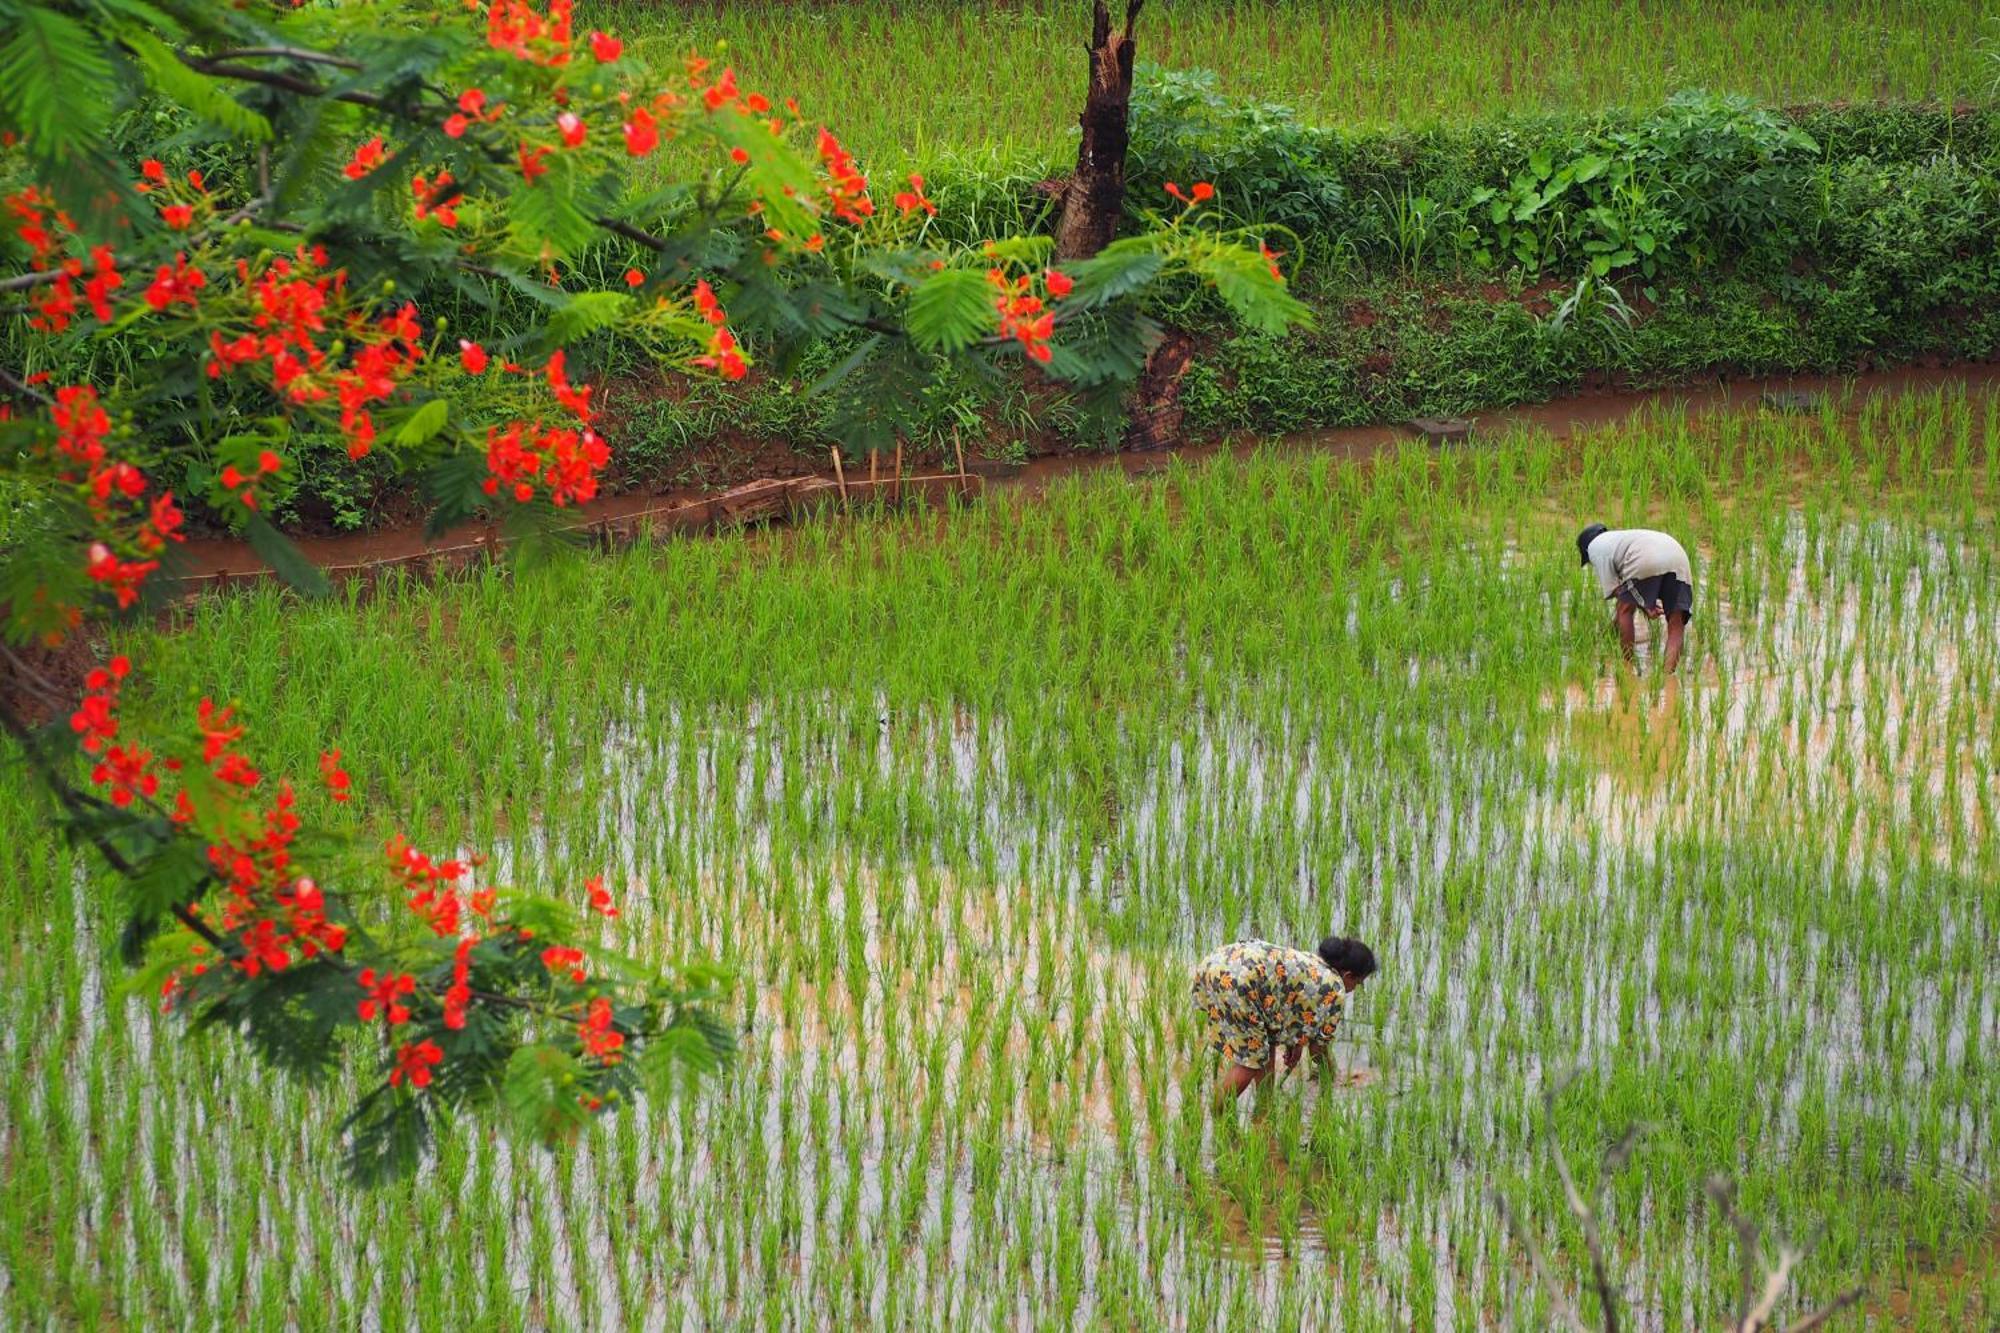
{"x":739,"y":156}
{"x":556,"y":959}
{"x":96,"y":718}
{"x":384,"y":995}
{"x":437,"y":198}
{"x":910,"y":200}
{"x":122,"y":577}
{"x":455,"y":126}
{"x":177,"y":216}
{"x":1060,"y":284}
{"x":600,"y":897}
{"x":175,"y":283}
{"x":642,"y":133}
{"x":366,"y":158}
{"x":472,"y":356}
{"x":605,"y":47}
{"x":1203,"y":190}
{"x":414,"y":1061}
{"x":599,"y":1038}
{"x":531,"y":161}
{"x":634,"y":277}
{"x":127,"y":769}
{"x":458,"y":996}
{"x":152,"y":170}
{"x":572,"y":128}
{"x":336,"y":778}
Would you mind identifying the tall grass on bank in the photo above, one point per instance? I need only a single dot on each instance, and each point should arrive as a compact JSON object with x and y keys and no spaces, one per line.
{"x":916,"y":78}
{"x":964,"y":795}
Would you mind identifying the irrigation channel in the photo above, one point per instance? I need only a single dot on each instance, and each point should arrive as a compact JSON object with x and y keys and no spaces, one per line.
{"x":962,"y":795}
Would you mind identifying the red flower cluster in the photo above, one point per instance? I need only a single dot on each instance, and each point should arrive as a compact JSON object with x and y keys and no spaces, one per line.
{"x":557,"y":958}
{"x":1024,"y":316}
{"x":43,"y":228}
{"x":335,"y":777}
{"x":437,"y":198}
{"x":912,"y":199}
{"x":414,"y":1061}
{"x":243,"y":485}
{"x":458,"y":995}
{"x":96,"y":715}
{"x":565,"y":460}
{"x":175,"y":284}
{"x":1202,"y":192}
{"x":514,"y":27}
{"x":366,"y":158}
{"x":120,"y":577}
{"x":430,"y":885}
{"x":472,"y":109}
{"x":847,"y":188}
{"x":600,"y":1039}
{"x":382,"y":993}
{"x":600,"y":897}
{"x":128,"y":771}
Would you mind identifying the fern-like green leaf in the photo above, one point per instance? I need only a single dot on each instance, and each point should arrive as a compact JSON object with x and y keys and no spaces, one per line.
{"x":56,"y":87}
{"x":1244,"y":280}
{"x":951,"y":310}
{"x":204,"y":96}
{"x":1118,"y":270}
{"x":588,"y":313}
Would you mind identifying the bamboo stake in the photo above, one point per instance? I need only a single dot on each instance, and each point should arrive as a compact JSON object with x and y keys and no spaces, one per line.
{"x":899,"y":470}
{"x":958,"y":448}
{"x":839,"y":474}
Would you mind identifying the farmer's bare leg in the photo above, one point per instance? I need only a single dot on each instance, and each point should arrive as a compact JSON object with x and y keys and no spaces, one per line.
{"x":1236,"y":1079}
{"x":1628,"y":637}
{"x":1677,"y":624}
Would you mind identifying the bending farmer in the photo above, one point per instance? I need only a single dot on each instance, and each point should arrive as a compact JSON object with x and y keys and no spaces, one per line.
{"x":1645,"y":571}
{"x":1261,"y":999}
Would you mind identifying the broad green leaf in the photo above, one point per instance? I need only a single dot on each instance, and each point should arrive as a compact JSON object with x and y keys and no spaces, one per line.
{"x":775,"y":172}
{"x":952,"y":310}
{"x":205,"y":97}
{"x":285,"y":559}
{"x":425,"y":422}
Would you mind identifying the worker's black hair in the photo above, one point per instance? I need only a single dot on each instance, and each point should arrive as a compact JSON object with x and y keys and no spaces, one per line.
{"x":1585,"y":538}
{"x":1345,"y":955}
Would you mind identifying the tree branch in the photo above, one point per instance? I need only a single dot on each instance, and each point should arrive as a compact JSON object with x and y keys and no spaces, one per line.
{"x":286,"y":53}
{"x":1834,"y":1307}
{"x":20,"y":388}
{"x":1557,"y":1297}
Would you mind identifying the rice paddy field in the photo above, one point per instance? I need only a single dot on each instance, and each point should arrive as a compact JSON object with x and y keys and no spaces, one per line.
{"x":963,"y":795}
{"x":1004,"y":78}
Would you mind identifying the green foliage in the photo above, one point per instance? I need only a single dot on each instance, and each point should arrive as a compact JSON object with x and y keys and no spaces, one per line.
{"x":951,"y":310}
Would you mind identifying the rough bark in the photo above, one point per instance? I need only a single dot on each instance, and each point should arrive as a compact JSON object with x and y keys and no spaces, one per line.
{"x":1094,"y":199}
{"x":1156,"y":398}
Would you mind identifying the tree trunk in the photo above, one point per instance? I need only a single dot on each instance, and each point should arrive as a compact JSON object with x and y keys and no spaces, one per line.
{"x":1094,"y":200}
{"x":1156,"y":398}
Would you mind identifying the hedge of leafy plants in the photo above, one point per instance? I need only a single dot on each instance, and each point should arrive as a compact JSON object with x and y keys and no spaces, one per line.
{"x":1449,"y":269}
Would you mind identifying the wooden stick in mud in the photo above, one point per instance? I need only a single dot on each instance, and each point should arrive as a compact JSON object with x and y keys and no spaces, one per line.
{"x":899,"y":470}
{"x":958,"y":448}
{"x":839,"y":474}
{"x":871,"y":472}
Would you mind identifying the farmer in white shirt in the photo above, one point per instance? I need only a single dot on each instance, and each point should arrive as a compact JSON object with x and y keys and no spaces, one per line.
{"x":1645,"y":571}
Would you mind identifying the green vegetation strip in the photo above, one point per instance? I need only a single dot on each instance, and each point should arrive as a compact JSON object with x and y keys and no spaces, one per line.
{"x":964,"y":795}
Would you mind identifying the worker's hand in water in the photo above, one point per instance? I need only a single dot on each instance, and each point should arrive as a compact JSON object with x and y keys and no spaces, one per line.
{"x":1655,"y":611}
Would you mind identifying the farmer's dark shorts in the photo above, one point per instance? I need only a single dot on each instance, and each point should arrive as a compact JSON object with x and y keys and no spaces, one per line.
{"x":1665,"y":591}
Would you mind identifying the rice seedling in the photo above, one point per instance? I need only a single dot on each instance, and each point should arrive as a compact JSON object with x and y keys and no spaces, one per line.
{"x":962,"y":795}
{"x":1000,"y":83}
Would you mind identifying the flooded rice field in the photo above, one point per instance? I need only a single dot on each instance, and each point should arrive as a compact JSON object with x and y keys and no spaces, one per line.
{"x":963,"y":801}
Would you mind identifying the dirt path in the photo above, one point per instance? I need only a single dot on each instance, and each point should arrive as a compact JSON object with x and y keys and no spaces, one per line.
{"x":213,"y":562}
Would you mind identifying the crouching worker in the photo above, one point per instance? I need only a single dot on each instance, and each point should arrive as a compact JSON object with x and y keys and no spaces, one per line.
{"x":1263,"y":999}
{"x":1644,"y":571}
